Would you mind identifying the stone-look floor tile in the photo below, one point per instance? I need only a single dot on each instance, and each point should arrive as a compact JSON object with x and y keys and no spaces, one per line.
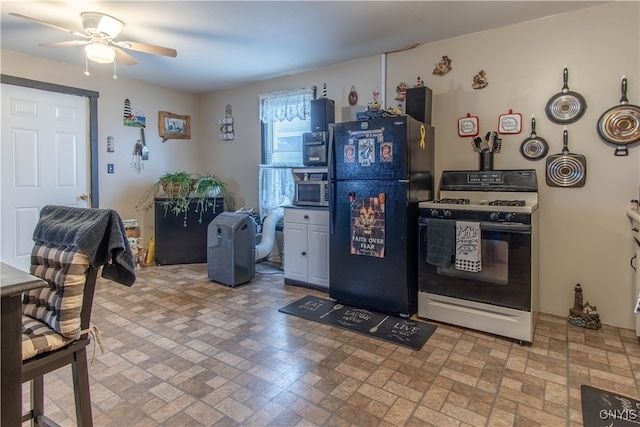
{"x":183,"y":351}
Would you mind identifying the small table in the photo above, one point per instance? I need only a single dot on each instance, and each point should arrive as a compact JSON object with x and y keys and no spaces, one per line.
{"x":13,"y":283}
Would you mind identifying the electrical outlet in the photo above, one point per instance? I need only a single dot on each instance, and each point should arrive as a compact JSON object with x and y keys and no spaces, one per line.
{"x":110,"y":168}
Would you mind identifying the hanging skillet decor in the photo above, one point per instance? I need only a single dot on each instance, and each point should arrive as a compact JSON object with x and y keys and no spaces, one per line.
{"x":566,"y":106}
{"x":620,"y":125}
{"x":566,"y":169}
{"x":534,"y":147}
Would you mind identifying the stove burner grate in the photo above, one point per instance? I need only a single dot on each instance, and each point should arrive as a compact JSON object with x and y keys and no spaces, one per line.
{"x":507,"y":203}
{"x":453,"y":201}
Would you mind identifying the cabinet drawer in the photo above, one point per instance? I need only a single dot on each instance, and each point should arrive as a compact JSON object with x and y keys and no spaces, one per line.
{"x":307,"y":216}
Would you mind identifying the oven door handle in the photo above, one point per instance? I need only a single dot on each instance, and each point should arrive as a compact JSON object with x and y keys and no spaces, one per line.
{"x":511,"y":227}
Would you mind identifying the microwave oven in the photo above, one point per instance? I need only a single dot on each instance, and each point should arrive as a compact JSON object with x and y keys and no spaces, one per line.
{"x":314,"y":148}
{"x":311,"y":187}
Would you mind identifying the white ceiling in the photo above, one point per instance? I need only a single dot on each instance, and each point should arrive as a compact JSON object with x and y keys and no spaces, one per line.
{"x":224,"y":44}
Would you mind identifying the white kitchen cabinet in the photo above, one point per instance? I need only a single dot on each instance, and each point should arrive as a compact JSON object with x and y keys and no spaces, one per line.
{"x":306,"y":247}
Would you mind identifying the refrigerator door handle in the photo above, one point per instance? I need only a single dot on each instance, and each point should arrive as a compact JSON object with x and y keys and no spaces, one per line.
{"x":332,"y":177}
{"x":332,"y":206}
{"x":331,"y":153}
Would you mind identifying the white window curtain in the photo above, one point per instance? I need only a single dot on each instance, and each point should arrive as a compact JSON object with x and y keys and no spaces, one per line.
{"x":286,"y":104}
{"x":276,"y":186}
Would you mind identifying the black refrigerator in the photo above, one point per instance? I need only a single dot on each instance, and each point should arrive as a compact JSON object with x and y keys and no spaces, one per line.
{"x":379,"y":170}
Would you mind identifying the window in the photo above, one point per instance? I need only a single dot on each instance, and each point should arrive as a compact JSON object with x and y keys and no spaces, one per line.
{"x":285,"y":116}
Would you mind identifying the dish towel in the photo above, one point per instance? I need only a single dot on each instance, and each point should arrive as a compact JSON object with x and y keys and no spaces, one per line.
{"x":441,"y":236}
{"x":468,"y":249}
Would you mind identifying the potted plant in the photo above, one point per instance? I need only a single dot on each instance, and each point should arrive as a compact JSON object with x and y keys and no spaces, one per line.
{"x":180,"y":188}
{"x":205,"y":188}
{"x":208,"y":186}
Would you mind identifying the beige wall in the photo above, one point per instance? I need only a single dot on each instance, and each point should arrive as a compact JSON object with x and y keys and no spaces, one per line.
{"x":123,"y":189}
{"x":584,"y":234}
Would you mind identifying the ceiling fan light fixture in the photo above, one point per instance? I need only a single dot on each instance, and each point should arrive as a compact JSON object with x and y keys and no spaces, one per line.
{"x":95,"y":22}
{"x":101,"y":53}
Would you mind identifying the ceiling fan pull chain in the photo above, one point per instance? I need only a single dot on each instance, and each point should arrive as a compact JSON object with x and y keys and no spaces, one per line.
{"x":86,"y":66}
{"x":115,"y":74}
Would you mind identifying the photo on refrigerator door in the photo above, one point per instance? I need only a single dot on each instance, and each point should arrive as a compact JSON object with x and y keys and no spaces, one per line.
{"x":368,"y":226}
{"x":386,"y":152}
{"x":366,"y":151}
{"x":350,"y":153}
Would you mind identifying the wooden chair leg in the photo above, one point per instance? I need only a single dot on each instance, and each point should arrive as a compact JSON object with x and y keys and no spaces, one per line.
{"x":82,"y":392}
{"x":37,"y":399}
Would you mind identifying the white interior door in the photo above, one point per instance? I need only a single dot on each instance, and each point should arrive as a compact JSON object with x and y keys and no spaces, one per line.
{"x":44,"y":160}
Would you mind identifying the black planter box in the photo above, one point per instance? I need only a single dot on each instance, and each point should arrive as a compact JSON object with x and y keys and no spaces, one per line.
{"x":177,"y":244}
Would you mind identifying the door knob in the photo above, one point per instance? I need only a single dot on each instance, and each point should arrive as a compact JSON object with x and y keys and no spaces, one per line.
{"x":84,"y":197}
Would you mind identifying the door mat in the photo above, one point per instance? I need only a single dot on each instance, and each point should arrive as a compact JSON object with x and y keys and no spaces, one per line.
{"x":608,"y":409}
{"x":393,"y":329}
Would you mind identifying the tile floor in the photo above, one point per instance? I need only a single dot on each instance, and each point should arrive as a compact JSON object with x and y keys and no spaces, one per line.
{"x":183,"y":351}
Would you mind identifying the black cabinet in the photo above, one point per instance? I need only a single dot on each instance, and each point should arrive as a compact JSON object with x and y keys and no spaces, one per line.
{"x":177,"y":244}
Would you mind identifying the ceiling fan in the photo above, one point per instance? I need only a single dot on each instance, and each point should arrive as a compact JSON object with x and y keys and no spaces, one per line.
{"x":99,"y":44}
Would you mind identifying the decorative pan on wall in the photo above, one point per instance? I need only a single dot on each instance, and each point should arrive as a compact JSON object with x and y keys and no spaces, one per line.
{"x":565,"y":106}
{"x":620,"y":125}
{"x":534,"y":147}
{"x":566,"y":169}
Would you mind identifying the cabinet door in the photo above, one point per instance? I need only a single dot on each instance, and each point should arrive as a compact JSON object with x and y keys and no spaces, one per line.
{"x":295,"y":251}
{"x":318,"y":258}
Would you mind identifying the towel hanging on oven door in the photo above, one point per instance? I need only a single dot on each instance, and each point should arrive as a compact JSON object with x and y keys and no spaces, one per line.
{"x":468,"y":246}
{"x":440,"y":242}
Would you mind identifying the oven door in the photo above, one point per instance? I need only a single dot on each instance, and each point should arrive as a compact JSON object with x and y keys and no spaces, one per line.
{"x":505,"y":276}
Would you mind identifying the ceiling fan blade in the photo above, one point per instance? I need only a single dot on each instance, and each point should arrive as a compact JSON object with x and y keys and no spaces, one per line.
{"x":67,"y":43}
{"x":147,"y":48}
{"x":48,"y":24}
{"x":124,"y":57}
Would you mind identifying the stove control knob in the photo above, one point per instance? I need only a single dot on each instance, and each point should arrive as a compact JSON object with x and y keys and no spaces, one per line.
{"x":493,"y":216}
{"x":433,"y":213}
{"x":447,"y":213}
{"x":509,"y":217}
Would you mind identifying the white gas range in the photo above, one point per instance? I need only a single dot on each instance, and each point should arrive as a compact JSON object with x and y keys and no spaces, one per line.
{"x":501,"y":295}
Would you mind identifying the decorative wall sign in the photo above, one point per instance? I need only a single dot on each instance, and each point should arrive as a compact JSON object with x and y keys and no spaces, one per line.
{"x":173,"y":126}
{"x":133,"y":117}
{"x":226,"y":129}
{"x":110,"y":145}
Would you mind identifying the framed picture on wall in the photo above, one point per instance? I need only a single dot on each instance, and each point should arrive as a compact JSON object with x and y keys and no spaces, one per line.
{"x":173,"y":126}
